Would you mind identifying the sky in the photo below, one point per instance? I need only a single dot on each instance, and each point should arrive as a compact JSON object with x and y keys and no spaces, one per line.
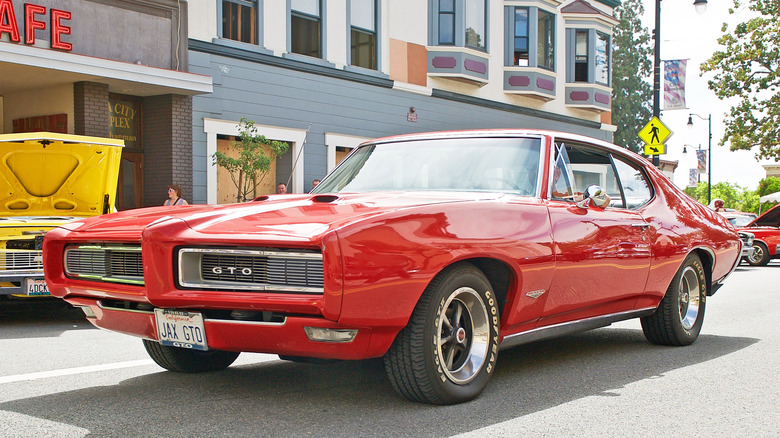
{"x":688,"y":35}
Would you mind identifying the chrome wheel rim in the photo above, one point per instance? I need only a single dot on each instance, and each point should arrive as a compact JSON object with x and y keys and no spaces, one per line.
{"x":758,"y":254}
{"x":463,"y":335}
{"x":689,"y":297}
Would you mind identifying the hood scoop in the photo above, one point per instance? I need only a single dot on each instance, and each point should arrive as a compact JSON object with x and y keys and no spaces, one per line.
{"x":325,"y":199}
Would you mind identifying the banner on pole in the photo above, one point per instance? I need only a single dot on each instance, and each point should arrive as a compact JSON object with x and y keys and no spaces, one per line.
{"x":674,"y":84}
{"x":701,"y":158}
{"x":693,"y":178}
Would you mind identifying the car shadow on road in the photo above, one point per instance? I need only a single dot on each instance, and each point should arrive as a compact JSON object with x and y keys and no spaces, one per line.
{"x":39,"y":317}
{"x":278,"y":398}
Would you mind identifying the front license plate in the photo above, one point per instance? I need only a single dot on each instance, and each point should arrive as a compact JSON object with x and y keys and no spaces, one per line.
{"x":36,"y":287}
{"x":176,"y":328}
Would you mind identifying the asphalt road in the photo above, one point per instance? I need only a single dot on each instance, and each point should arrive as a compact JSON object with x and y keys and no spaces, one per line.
{"x":60,"y":377}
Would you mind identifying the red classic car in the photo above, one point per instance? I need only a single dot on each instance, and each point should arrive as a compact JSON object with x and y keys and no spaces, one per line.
{"x":766,"y":237}
{"x":433,"y":251}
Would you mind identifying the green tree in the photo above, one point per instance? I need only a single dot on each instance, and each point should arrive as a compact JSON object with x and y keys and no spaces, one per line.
{"x":767,"y":186}
{"x":733,"y":195}
{"x":748,"y":69}
{"x":255,"y":156}
{"x":631,"y":62}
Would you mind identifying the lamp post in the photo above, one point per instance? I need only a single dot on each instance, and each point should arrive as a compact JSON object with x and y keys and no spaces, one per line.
{"x":709,"y":151}
{"x":701,"y":7}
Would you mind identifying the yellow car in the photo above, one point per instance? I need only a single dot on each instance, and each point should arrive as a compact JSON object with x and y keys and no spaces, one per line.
{"x":46,"y":180}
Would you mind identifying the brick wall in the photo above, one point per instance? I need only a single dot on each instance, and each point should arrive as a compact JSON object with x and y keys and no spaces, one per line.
{"x":90,"y":109}
{"x":167,"y":146}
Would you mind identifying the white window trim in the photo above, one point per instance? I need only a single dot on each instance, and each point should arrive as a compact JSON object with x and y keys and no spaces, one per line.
{"x":332,"y":141}
{"x":214,"y":127}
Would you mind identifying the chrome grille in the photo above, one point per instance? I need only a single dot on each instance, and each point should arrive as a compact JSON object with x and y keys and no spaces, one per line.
{"x":20,"y":261}
{"x":251,"y":270}
{"x":109,"y":263}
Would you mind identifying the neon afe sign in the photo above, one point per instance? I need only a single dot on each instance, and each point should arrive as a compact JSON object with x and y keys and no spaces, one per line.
{"x":35,"y":19}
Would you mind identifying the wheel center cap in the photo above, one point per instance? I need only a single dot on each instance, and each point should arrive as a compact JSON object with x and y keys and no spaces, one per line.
{"x":460,"y":335}
{"x":685,"y":298}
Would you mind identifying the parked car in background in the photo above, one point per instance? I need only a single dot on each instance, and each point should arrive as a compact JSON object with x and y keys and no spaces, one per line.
{"x":433,"y":251}
{"x":739,"y":218}
{"x":46,"y":180}
{"x":766,"y":232}
{"x":747,"y":244}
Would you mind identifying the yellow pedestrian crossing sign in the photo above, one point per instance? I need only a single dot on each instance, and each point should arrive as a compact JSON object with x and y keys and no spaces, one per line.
{"x":655,"y":149}
{"x":655,"y":134}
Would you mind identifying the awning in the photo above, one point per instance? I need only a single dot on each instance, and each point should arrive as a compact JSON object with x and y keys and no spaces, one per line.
{"x":24,"y":67}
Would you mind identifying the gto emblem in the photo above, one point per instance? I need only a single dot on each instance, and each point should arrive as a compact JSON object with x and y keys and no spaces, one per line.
{"x":231,"y":270}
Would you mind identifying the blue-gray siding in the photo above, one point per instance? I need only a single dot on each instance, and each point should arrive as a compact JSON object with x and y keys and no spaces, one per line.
{"x":292,"y":94}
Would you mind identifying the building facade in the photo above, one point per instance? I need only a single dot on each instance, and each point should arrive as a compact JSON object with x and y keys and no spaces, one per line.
{"x":174,"y":78}
{"x":325,"y":75}
{"x":108,"y":68}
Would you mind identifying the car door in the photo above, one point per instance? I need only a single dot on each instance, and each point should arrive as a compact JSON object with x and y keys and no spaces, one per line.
{"x":602,"y":255}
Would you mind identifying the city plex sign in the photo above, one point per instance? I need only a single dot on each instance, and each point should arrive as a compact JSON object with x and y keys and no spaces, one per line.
{"x":34,"y":19}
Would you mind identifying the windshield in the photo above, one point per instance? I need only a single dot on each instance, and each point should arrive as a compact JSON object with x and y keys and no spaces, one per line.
{"x":507,"y":165}
{"x":741,"y":220}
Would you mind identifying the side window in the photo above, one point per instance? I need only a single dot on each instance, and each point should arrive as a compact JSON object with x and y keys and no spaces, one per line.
{"x":561,"y":182}
{"x":588,"y":166}
{"x":545,"y":40}
{"x":531,"y":37}
{"x":475,"y":24}
{"x":588,"y":56}
{"x":636,"y":190}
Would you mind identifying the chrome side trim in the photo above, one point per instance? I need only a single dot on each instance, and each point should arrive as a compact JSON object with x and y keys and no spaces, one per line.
{"x":567,"y":328}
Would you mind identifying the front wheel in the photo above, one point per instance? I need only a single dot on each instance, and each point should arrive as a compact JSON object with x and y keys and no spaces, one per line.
{"x":448,"y":351}
{"x":182,"y":360}
{"x":679,"y":317}
{"x":760,"y":256}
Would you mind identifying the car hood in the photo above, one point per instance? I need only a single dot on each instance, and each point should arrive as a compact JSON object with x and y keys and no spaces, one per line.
{"x":277,"y":216}
{"x":47,"y":174}
{"x":769,"y":219}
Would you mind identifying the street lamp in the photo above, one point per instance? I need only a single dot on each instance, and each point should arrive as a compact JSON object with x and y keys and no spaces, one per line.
{"x":701,"y":6}
{"x":709,"y":150}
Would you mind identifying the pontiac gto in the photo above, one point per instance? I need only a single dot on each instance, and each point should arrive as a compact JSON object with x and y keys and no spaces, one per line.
{"x":434,"y":251}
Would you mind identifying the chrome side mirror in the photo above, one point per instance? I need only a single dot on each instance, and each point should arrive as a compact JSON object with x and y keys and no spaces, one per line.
{"x":595,"y":195}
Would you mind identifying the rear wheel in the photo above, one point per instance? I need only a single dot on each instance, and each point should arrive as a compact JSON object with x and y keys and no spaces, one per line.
{"x":679,"y":317}
{"x":182,"y":360}
{"x":760,"y":256}
{"x":448,"y":351}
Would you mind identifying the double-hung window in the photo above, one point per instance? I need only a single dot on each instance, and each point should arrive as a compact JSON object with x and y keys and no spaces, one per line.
{"x":581,"y":60}
{"x":239,"y":20}
{"x":363,"y":33}
{"x":521,"y":37}
{"x":306,"y":27}
{"x":446,"y":22}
